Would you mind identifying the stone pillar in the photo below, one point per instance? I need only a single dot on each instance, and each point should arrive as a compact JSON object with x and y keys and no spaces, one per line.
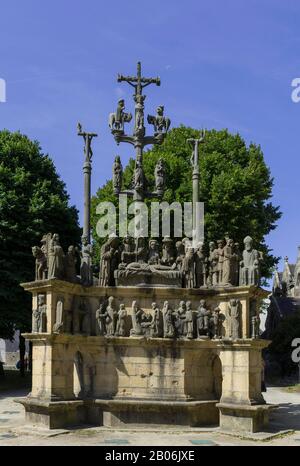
{"x":242,"y":406}
{"x":87,"y":170}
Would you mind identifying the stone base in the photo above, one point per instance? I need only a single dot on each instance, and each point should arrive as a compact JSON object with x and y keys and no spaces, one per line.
{"x":244,"y":418}
{"x":120,"y":413}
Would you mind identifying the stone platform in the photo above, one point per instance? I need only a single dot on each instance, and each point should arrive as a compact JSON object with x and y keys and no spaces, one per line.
{"x":124,"y":381}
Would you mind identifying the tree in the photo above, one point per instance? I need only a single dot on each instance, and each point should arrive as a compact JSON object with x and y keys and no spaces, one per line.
{"x":33,"y":201}
{"x":235,"y":185}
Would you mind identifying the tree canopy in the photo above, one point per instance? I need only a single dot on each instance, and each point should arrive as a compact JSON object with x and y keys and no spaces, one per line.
{"x":33,"y":201}
{"x":235,"y":185}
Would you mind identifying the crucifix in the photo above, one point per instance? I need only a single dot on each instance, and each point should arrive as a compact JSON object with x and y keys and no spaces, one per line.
{"x":87,"y":170}
{"x":138,"y":139}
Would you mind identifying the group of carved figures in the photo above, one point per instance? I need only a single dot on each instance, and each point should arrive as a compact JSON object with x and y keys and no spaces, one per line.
{"x":180,"y":321}
{"x":52,"y":262}
{"x":223,"y":265}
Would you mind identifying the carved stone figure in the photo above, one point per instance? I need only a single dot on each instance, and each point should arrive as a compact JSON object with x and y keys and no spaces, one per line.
{"x":189,"y":268}
{"x":139,"y":113}
{"x":212,"y":265}
{"x":216,"y":323}
{"x":109,"y":261}
{"x":39,"y":315}
{"x":141,"y":250}
{"x":189,"y":321}
{"x":169,"y":330}
{"x":200,"y":267}
{"x":70,"y":264}
{"x":203,"y":316}
{"x":117,"y":175}
{"x":56,"y":258}
{"x":155,"y":327}
{"x":121,"y":322}
{"x":230,"y":260}
{"x":153,"y":257}
{"x":128,"y":252}
{"x":168,"y":255}
{"x":220,"y":256}
{"x":180,"y":256}
{"x":139,"y":177}
{"x":180,"y":320}
{"x":235,"y":319}
{"x":136,"y":316}
{"x":40,"y":263}
{"x":58,"y":327}
{"x":117,"y":119}
{"x":160,"y":176}
{"x":250,"y":264}
{"x":159,"y":121}
{"x":111,"y":317}
{"x":86,"y":272}
{"x":101,"y":315}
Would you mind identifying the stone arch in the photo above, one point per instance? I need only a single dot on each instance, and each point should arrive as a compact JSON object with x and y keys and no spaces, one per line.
{"x":78,"y":375}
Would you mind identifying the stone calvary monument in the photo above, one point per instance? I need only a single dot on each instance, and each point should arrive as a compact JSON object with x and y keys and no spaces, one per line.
{"x":166,"y":335}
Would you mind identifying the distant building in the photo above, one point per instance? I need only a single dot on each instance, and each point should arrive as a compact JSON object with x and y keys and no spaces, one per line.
{"x":285,"y":297}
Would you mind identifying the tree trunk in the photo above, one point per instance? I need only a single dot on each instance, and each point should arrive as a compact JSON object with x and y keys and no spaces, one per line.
{"x":22,"y":355}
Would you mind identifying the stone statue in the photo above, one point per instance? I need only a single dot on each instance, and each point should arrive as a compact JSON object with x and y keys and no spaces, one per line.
{"x":120,"y":327}
{"x":117,"y":119}
{"x":56,"y":258}
{"x":141,"y":250}
{"x":180,"y":256}
{"x":160,"y":177}
{"x":168,"y":255}
{"x":220,"y":256}
{"x":203,"y":317}
{"x":230,"y":261}
{"x":250,"y":264}
{"x":128,"y":252}
{"x":137,"y":313}
{"x":217,"y":324}
{"x":139,"y":177}
{"x":139,"y":113}
{"x":234,"y":315}
{"x":70,"y":264}
{"x":155,"y":327}
{"x":180,"y":320}
{"x":200,"y":267}
{"x":169,"y":330}
{"x":212,"y":265}
{"x":111,"y":317}
{"x":189,"y":268}
{"x":189,"y":322}
{"x":40,"y":263}
{"x":39,"y":315}
{"x":117,"y":175}
{"x":109,"y":261}
{"x":160,"y":123}
{"x":58,"y":327}
{"x":101,"y":316}
{"x":86,"y":272}
{"x":153,"y":257}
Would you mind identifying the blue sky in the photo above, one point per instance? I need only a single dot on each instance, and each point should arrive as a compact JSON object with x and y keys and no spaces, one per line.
{"x":223,"y":64}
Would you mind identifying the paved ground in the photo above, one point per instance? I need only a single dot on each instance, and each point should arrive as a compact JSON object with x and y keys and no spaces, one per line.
{"x":13,"y":431}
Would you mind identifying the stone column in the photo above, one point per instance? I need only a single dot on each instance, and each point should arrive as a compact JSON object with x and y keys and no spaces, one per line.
{"x":87,"y":170}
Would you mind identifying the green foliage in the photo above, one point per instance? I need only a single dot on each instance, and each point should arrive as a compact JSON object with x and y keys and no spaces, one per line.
{"x":33,"y":201}
{"x":235,"y":185}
